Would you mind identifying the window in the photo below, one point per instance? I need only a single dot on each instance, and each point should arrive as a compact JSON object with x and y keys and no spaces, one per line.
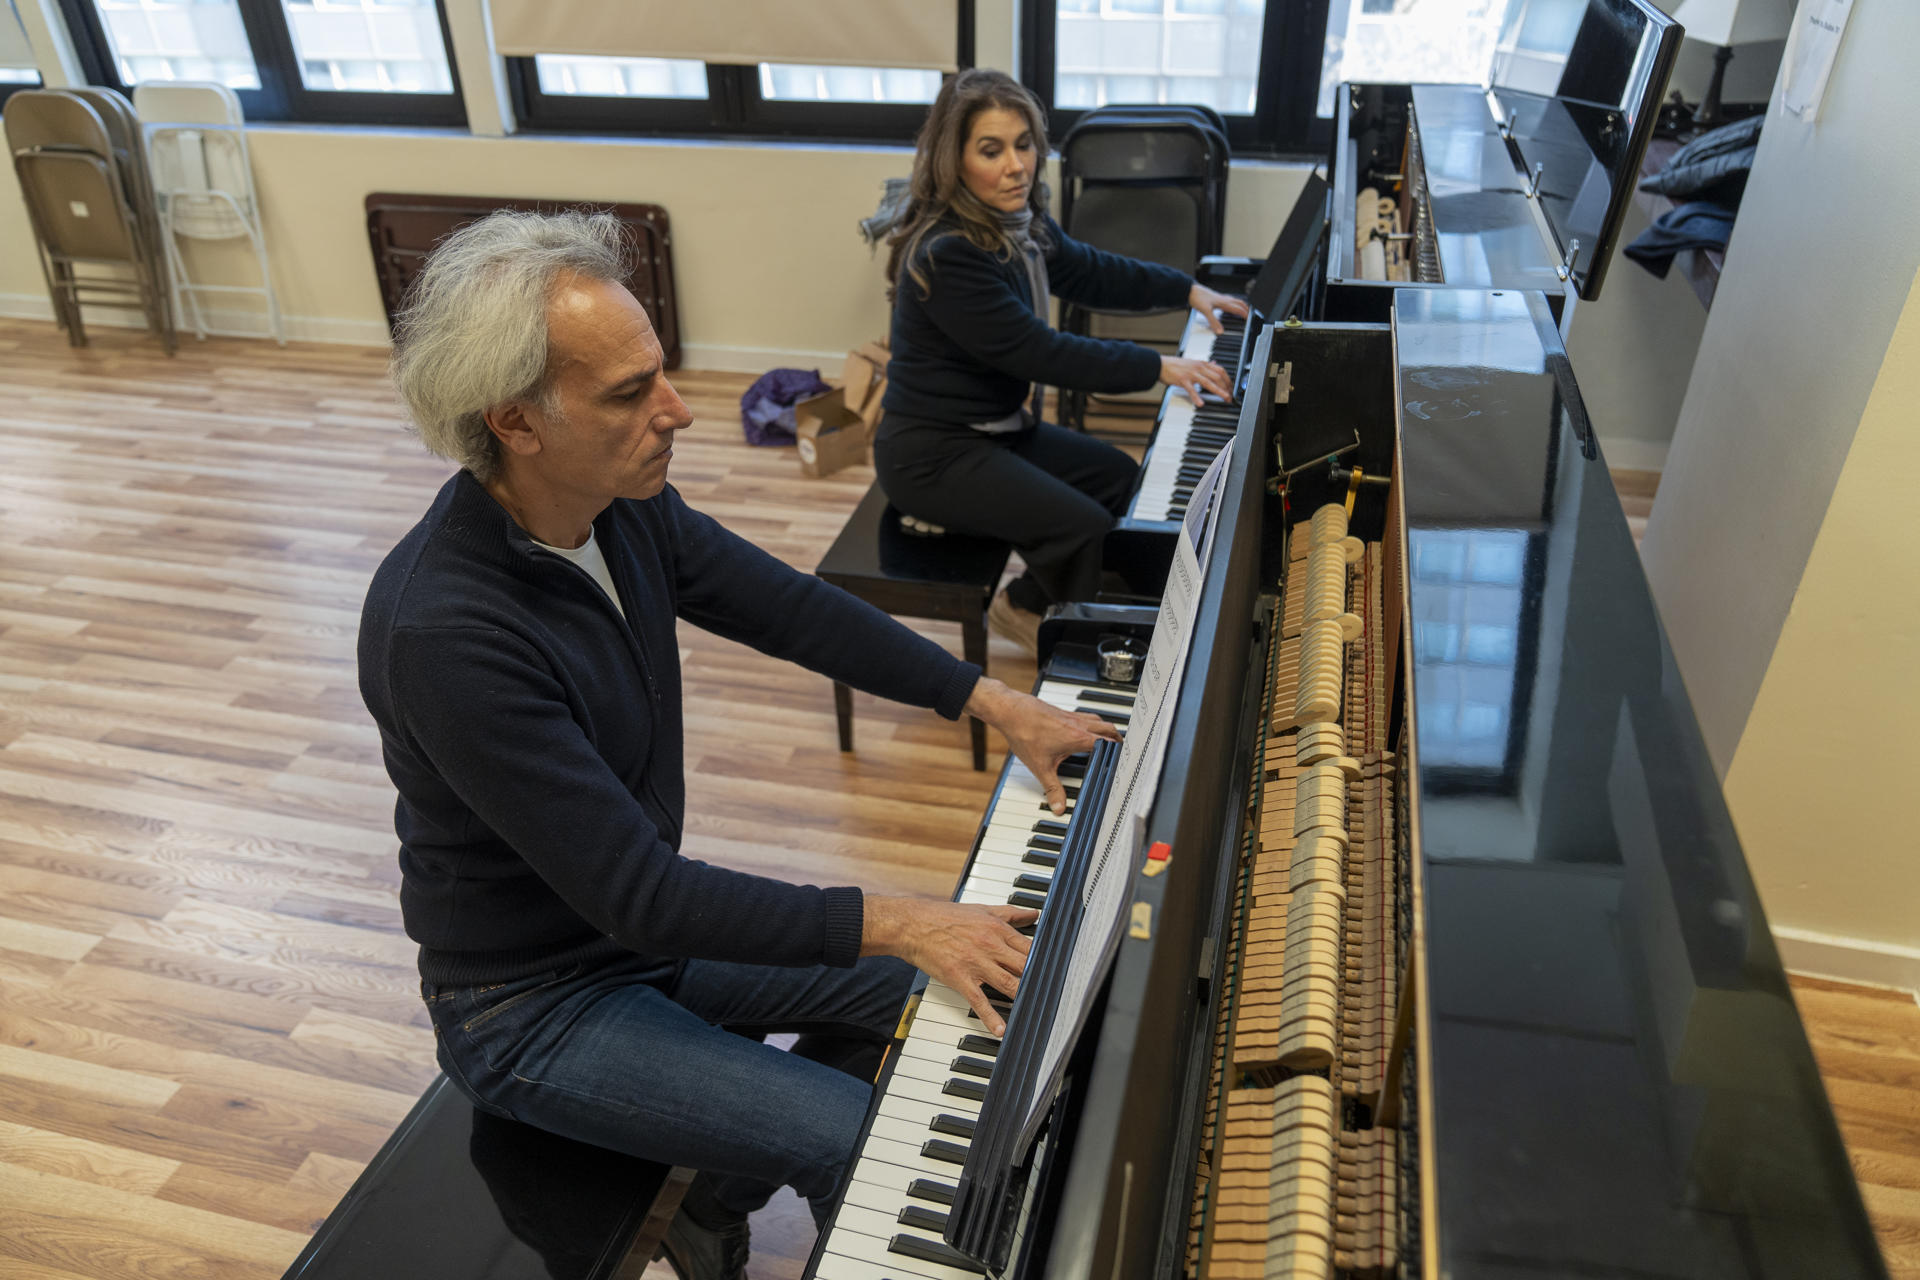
{"x":1448,"y":42}
{"x":1271,"y":67}
{"x":580,"y":77}
{"x":17,"y":69}
{"x":342,"y":61}
{"x":663,"y":95}
{"x":1253,"y":61}
{"x":375,"y":46}
{"x":790,"y":82}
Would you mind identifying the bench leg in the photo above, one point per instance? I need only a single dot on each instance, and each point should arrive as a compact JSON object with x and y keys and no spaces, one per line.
{"x":659,"y":1217}
{"x":973,"y":647}
{"x":843,"y":714}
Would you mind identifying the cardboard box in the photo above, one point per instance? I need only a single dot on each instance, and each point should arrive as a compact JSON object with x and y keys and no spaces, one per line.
{"x":864,"y":380}
{"x":829,"y":436}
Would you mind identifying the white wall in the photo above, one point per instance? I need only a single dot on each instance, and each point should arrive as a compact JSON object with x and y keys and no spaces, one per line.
{"x":1812,"y":287}
{"x":1822,"y":779}
{"x":1780,"y":548}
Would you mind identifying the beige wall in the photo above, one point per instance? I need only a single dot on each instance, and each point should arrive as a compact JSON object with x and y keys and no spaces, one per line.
{"x":769,"y":265}
{"x":1822,"y":781}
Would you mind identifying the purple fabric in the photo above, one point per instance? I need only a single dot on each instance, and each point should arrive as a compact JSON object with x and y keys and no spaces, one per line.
{"x":766,"y":411}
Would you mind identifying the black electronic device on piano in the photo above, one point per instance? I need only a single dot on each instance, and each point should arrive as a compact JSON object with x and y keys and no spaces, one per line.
{"x":1443,"y":960}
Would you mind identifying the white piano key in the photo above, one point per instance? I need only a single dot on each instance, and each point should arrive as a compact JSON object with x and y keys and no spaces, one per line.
{"x":921,"y":1113}
{"x":905,"y":1157}
{"x":879,"y":1226}
{"x":891,"y":1158}
{"x":835,"y":1266}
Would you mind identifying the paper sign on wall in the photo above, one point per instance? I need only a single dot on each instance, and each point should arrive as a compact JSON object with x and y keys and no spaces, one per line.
{"x":1811,"y":47}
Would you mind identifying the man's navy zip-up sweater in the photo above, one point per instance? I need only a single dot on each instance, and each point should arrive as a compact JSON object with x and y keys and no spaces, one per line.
{"x":971,"y":348}
{"x":535,"y":736}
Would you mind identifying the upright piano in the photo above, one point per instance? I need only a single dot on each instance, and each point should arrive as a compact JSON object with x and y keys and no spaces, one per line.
{"x":1521,"y":183}
{"x":1441,"y":957}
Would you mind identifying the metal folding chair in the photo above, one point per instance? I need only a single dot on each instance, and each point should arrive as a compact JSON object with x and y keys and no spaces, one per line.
{"x":196,"y":145}
{"x":76,"y":191}
{"x":1149,"y":182}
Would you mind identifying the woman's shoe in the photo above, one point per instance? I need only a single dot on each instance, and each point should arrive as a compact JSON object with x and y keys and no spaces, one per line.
{"x":1008,"y":619}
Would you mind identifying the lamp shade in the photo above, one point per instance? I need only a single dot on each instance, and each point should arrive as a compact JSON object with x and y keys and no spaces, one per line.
{"x":1735,"y":21}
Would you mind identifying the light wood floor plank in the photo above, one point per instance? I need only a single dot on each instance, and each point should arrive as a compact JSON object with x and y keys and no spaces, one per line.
{"x":209,"y":1019}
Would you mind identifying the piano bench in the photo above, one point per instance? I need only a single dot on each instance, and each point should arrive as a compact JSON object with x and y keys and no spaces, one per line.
{"x":457,"y":1193}
{"x":949,"y":577}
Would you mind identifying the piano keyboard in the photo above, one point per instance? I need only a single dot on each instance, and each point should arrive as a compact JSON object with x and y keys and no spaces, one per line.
{"x":1188,"y":435}
{"x":893,"y":1210}
{"x":1292,"y":1187}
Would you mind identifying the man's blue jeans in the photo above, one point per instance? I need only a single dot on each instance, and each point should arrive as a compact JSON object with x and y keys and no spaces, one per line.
{"x":662,"y":1059}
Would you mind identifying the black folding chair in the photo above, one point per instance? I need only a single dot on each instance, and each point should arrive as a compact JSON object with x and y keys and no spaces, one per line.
{"x":1149,"y":182}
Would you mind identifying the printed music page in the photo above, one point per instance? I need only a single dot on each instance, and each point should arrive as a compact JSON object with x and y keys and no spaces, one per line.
{"x":1136,"y":778}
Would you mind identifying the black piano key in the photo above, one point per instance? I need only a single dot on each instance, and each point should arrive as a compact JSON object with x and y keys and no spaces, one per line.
{"x":933,"y":1251}
{"x":1072,"y":767}
{"x":1033,"y":881}
{"x":972,"y":1090}
{"x":916,"y":1215}
{"x":1032,"y":900}
{"x":953,"y":1126}
{"x":1054,"y":843}
{"x":1111,"y":717}
{"x":1101,"y":695}
{"x":970,"y":1066}
{"x":1041,"y":858}
{"x":943,"y":1151}
{"x":1050,"y":827}
{"x":979,"y":1044}
{"x":929,"y":1189}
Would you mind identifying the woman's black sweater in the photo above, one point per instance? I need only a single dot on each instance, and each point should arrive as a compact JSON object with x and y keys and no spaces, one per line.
{"x":970,"y":349}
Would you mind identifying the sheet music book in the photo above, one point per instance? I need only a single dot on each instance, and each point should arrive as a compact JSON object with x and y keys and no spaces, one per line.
{"x":1117,"y":851}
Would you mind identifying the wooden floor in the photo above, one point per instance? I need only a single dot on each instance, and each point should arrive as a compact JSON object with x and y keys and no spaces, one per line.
{"x":208,"y":1013}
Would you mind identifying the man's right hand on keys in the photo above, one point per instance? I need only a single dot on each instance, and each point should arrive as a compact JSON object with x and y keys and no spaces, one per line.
{"x":964,"y":946}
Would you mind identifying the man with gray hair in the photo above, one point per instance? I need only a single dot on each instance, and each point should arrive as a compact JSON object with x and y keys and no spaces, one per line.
{"x":517,"y":651}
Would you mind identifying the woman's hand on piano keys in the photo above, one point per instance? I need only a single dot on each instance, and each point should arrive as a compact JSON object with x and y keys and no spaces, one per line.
{"x":1040,"y":734}
{"x":965,"y":947}
{"x":1209,"y":304}
{"x":1195,"y":377}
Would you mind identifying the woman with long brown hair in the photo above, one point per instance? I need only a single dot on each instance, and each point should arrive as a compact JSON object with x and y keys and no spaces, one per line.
{"x":975,"y":260}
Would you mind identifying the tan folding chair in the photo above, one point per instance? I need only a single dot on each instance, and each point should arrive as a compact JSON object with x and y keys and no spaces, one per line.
{"x":196,"y":142}
{"x":82,"y":217}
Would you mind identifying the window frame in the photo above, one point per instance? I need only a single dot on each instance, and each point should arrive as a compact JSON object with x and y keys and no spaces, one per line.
{"x":1283,"y":124}
{"x":733,"y":107}
{"x":8,"y":88}
{"x":283,"y":95}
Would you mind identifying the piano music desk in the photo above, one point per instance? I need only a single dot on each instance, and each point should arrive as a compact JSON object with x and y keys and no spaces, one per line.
{"x":950,"y":577}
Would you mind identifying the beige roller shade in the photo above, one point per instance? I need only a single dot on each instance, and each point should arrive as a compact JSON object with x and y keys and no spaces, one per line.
{"x":854,"y":33}
{"x":15,"y":52}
